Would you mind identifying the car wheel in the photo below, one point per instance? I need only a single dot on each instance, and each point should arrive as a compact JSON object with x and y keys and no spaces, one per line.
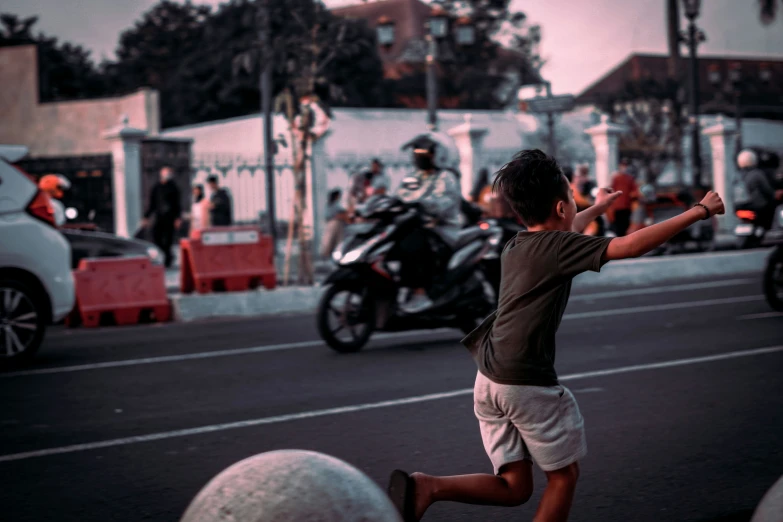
{"x":22,"y":322}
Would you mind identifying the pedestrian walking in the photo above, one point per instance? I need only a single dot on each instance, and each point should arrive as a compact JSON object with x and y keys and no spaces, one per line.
{"x":336,"y":219}
{"x":220,"y":205}
{"x":622,"y":181}
{"x":524,"y":413}
{"x":164,"y":209}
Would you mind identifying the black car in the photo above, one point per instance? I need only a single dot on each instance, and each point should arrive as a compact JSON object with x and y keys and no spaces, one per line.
{"x":86,"y":242}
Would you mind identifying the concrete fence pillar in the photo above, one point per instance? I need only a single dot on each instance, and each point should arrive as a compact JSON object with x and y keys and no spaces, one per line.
{"x":722,"y":146}
{"x":605,"y":138}
{"x":316,"y":194}
{"x":126,"y":176}
{"x":469,"y":139}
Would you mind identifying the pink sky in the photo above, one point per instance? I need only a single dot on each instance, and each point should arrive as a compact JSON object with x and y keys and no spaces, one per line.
{"x":582,"y":39}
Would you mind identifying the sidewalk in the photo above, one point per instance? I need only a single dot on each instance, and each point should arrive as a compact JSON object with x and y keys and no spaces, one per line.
{"x":648,"y":271}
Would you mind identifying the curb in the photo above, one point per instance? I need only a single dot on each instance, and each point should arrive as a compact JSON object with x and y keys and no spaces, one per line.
{"x":636,"y":272}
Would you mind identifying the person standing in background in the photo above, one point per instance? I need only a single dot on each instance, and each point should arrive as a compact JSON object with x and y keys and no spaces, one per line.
{"x":220,"y":207}
{"x":336,"y":219}
{"x":625,"y":183}
{"x":55,"y":185}
{"x":164,"y":206}
{"x":199,"y":213}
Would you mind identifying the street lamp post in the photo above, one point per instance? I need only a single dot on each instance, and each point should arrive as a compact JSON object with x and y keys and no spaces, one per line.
{"x":265,"y":37}
{"x":693,"y":38}
{"x":437,"y":28}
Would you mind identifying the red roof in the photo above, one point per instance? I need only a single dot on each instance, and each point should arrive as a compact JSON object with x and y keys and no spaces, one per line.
{"x":761,"y":97}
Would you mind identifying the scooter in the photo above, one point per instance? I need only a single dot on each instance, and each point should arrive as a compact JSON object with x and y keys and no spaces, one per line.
{"x":749,"y":229}
{"x":773,"y":272}
{"x":364,"y":294}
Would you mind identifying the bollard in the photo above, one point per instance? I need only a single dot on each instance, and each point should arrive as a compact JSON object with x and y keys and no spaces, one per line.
{"x":770,"y":509}
{"x":291,"y":485}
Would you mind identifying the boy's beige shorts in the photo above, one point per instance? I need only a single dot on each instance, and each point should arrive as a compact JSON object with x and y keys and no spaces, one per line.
{"x":520,"y":422}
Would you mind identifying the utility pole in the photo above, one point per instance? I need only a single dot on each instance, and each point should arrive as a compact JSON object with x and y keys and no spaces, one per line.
{"x":550,"y":120}
{"x":432,"y":84}
{"x":265,"y":37}
{"x":693,"y":44}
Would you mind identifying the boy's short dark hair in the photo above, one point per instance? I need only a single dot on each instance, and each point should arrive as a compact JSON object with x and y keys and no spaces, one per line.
{"x":212,"y":179}
{"x":532,"y":183}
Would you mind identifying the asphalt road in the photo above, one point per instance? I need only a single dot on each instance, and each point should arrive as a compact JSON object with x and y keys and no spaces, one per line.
{"x":680,"y":387}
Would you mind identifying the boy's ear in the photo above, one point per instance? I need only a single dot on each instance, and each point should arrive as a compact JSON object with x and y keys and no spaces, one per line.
{"x":560,"y":209}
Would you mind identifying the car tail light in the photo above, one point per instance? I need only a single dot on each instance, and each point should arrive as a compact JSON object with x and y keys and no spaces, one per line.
{"x":746,"y":214}
{"x":41,"y":208}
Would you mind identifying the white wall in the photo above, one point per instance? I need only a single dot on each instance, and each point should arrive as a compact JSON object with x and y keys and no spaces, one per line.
{"x":233,"y":149}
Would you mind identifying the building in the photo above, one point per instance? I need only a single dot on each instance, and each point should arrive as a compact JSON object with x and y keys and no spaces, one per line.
{"x":407,"y":54}
{"x":758,"y":80}
{"x":76,"y":138}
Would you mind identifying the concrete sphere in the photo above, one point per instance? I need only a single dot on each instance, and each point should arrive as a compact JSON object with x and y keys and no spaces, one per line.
{"x":290,"y":486}
{"x":770,"y":509}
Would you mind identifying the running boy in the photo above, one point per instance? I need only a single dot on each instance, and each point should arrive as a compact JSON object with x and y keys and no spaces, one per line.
{"x":524,"y":413}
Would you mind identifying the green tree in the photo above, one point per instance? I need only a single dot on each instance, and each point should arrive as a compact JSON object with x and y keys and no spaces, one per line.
{"x":66,"y":71}
{"x":157,"y":52}
{"x":206,"y":64}
{"x":488,"y":73}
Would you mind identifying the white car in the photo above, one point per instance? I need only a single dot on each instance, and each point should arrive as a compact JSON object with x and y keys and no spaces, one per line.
{"x":36,"y":284}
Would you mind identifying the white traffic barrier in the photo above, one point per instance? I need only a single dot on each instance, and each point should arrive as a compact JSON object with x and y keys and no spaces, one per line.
{"x":291,"y":485}
{"x":770,"y":509}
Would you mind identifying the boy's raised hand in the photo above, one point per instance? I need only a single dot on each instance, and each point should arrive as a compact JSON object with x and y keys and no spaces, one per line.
{"x":713,"y":203}
{"x":606,"y":197}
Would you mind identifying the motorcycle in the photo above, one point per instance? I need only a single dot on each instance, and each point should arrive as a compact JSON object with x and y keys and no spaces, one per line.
{"x":750,"y":228}
{"x":363,"y":294}
{"x":508,"y":230}
{"x":773,"y":273}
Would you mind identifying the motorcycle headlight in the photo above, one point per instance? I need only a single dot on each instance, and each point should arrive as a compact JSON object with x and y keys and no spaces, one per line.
{"x":352,"y":256}
{"x":337,"y":255}
{"x":780,"y":218}
{"x":155,"y":255}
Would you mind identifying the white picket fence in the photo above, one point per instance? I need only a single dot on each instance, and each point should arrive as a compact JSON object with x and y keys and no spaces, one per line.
{"x":245,"y":177}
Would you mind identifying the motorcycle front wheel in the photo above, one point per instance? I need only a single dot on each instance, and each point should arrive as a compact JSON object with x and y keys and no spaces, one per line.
{"x":346,"y":317}
{"x":773,"y":280}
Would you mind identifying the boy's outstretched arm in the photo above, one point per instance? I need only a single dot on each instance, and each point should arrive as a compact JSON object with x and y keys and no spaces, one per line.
{"x":603,"y":201}
{"x":649,"y":238}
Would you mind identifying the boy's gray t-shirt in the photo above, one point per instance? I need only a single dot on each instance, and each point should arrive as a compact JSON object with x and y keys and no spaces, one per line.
{"x":516,"y":344}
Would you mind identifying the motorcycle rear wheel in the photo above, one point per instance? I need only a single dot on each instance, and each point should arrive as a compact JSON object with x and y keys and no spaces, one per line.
{"x":355,"y":314}
{"x":773,"y":280}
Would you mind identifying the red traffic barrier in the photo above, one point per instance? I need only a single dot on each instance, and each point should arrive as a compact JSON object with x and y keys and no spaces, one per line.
{"x":230,"y":259}
{"x":122,"y":291}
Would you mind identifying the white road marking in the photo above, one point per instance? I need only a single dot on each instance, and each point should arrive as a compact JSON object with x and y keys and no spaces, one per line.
{"x":766,"y":315}
{"x":208,"y":355}
{"x":318,"y":343}
{"x":664,"y":307}
{"x":662,"y":289}
{"x":588,"y":390}
{"x":200,"y":430}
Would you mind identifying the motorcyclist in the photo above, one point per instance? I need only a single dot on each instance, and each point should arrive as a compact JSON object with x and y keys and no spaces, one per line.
{"x":435,"y":189}
{"x":761,"y":195}
{"x":55,"y":185}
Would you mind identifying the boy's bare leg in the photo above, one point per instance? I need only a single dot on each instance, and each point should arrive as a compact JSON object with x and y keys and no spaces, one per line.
{"x":512,"y":487}
{"x":559,"y":494}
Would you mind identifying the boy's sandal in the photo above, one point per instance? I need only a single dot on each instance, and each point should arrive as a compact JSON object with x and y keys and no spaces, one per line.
{"x":402,"y":494}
